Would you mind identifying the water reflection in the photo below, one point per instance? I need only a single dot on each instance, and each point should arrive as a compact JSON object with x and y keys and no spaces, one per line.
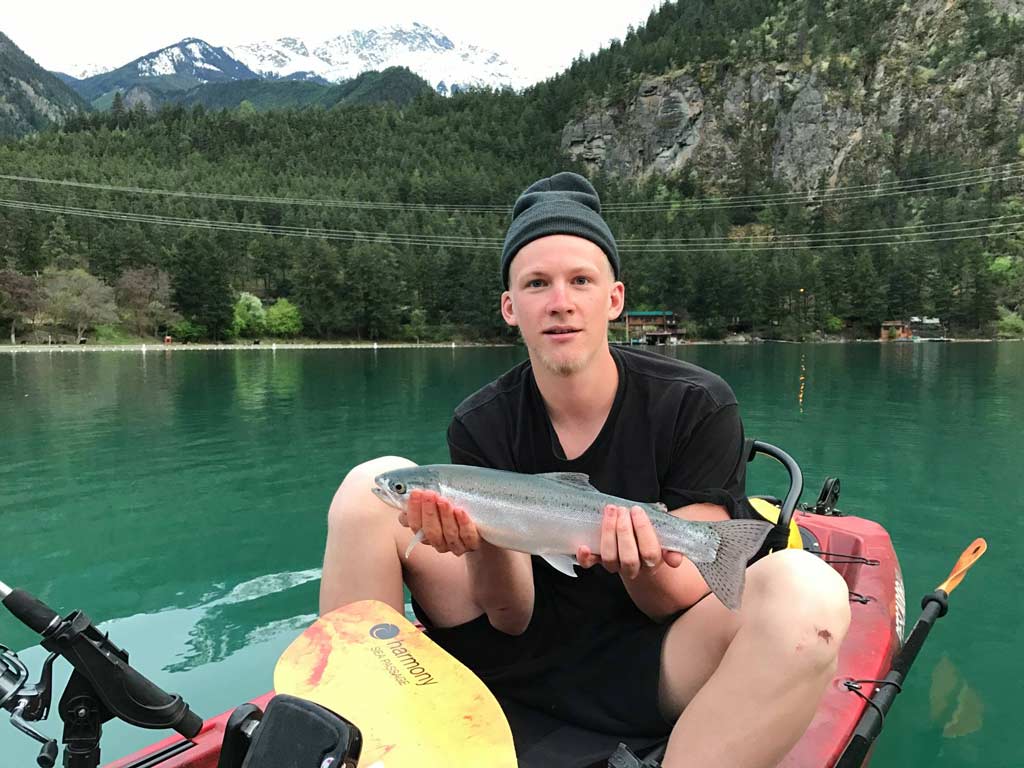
{"x":263,"y":381}
{"x":803,"y":381}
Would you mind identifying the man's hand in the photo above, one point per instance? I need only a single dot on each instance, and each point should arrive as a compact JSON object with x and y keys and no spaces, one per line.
{"x":628,"y":543}
{"x":501,"y":581}
{"x":445,"y":527}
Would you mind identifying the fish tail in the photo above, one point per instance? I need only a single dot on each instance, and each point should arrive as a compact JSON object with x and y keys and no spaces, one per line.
{"x":739,"y":541}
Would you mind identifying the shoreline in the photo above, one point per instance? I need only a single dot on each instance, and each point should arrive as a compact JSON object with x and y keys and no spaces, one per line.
{"x":274,"y":346}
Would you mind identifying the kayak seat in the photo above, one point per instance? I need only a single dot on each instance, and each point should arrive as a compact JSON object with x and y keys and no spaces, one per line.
{"x":769,"y":508}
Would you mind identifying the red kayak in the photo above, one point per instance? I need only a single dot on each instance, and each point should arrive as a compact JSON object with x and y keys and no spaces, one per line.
{"x":373,"y":688}
{"x":860,"y":550}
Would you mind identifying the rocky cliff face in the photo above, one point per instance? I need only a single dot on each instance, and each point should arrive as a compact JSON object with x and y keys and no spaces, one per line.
{"x":807,"y":123}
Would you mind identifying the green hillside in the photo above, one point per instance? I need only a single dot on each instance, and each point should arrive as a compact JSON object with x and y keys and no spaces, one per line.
{"x":747,"y":101}
{"x":31,"y":98}
{"x":395,"y":85}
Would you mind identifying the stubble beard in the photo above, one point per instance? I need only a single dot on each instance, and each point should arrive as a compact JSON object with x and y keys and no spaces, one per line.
{"x":565,"y":366}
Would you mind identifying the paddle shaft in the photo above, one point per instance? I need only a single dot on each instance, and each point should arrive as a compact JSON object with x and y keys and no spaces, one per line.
{"x":870,"y":724}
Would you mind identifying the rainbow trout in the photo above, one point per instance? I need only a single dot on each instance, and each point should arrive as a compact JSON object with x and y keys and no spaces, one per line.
{"x":552,"y":515}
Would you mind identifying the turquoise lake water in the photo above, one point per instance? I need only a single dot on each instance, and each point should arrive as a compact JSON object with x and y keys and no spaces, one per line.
{"x":180,"y":498}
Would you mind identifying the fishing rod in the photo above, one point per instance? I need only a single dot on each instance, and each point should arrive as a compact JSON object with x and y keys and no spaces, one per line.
{"x":103,"y":685}
{"x":934,"y":606}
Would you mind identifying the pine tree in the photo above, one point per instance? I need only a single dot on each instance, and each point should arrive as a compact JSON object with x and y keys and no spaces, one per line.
{"x":202,"y":290}
{"x":60,"y":250}
{"x":118,"y":111}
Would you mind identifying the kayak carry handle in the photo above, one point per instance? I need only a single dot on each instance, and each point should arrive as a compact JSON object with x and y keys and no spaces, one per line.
{"x":796,"y":477}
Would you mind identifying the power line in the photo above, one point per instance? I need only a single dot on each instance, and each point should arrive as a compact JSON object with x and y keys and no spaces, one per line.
{"x":909,"y":239}
{"x":843,"y":237}
{"x":987,"y":173}
{"x":639,"y":243}
{"x":265,"y":199}
{"x":796,"y":238}
{"x":1005,"y":172}
{"x":809,"y":198}
{"x":1010,"y":227}
{"x":245,"y":227}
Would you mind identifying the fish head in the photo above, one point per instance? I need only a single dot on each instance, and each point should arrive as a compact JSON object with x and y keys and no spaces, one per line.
{"x":394,"y":487}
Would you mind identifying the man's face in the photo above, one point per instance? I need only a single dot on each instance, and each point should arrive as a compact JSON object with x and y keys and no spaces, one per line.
{"x":562,"y":294}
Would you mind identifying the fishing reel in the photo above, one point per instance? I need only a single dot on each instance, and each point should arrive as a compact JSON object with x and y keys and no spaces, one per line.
{"x":28,"y":703}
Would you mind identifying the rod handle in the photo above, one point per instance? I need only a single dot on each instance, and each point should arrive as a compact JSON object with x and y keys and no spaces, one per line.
{"x":31,"y":611}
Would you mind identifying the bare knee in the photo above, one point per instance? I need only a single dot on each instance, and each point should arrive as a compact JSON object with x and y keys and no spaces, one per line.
{"x":360,"y":557}
{"x":802,"y":606}
{"x":354,"y":499}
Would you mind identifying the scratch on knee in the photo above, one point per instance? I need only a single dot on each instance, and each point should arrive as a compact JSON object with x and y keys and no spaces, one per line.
{"x":825,"y":635}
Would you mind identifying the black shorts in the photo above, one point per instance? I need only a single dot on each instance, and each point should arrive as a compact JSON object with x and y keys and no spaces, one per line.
{"x":600,"y":676}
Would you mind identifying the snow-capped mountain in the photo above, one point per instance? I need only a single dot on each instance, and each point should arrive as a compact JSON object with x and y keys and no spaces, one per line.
{"x":177,"y":67}
{"x":192,"y":62}
{"x":82,"y":71}
{"x":426,"y":51}
{"x":193,"y":57}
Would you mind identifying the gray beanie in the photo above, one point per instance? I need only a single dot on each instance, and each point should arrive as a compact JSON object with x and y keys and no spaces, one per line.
{"x":563,"y":204}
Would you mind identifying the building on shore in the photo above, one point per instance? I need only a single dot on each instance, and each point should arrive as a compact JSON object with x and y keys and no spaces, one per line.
{"x":914,"y":329}
{"x":658,"y":326}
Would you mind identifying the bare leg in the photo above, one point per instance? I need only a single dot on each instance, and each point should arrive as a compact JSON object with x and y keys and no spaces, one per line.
{"x":748,"y":683}
{"x":364,"y":557}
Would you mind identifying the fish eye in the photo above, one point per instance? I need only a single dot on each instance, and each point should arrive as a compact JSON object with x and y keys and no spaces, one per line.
{"x":399,"y":487}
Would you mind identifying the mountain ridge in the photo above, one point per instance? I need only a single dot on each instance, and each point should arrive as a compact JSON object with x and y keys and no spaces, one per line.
{"x":31,"y":98}
{"x":191,"y":62}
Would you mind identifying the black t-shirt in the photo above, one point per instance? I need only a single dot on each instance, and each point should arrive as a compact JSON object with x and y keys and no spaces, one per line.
{"x":673,"y":431}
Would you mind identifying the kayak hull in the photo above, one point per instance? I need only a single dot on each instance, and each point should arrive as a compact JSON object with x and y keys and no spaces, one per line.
{"x":877,"y":612}
{"x":859,"y":549}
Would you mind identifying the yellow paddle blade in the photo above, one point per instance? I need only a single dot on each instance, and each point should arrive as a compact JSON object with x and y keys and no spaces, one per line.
{"x":416,"y":706}
{"x":969,"y":557}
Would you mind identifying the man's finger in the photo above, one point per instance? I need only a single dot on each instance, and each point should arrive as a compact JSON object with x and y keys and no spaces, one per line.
{"x":609,"y":544}
{"x":416,"y":511}
{"x":586,"y":558}
{"x":467,"y":530}
{"x":629,"y":556}
{"x":646,"y":539}
{"x":449,"y":526}
{"x":672,"y":559}
{"x":432,"y":533}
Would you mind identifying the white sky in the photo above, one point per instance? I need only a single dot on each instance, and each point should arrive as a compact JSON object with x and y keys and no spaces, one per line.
{"x":540,"y":37}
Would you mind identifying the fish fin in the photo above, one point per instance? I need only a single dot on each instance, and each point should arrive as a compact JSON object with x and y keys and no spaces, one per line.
{"x":415,"y":540}
{"x":575,"y":479}
{"x":739,"y":541}
{"x":660,"y":506}
{"x":563,"y":563}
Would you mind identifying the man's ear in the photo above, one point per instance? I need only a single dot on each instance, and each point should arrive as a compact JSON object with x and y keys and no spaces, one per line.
{"x":616,"y":300}
{"x":508,"y":310}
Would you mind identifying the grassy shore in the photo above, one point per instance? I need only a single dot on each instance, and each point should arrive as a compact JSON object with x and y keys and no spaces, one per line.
{"x":291,"y":344}
{"x":229,"y":347}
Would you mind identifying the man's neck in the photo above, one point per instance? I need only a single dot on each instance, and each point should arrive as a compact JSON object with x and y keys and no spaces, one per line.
{"x":583,"y":396}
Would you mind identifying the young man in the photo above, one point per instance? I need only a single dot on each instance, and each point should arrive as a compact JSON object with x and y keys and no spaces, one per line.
{"x":635,"y":646}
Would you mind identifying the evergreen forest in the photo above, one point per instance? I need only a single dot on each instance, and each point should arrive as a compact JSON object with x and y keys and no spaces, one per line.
{"x":383,"y":221}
